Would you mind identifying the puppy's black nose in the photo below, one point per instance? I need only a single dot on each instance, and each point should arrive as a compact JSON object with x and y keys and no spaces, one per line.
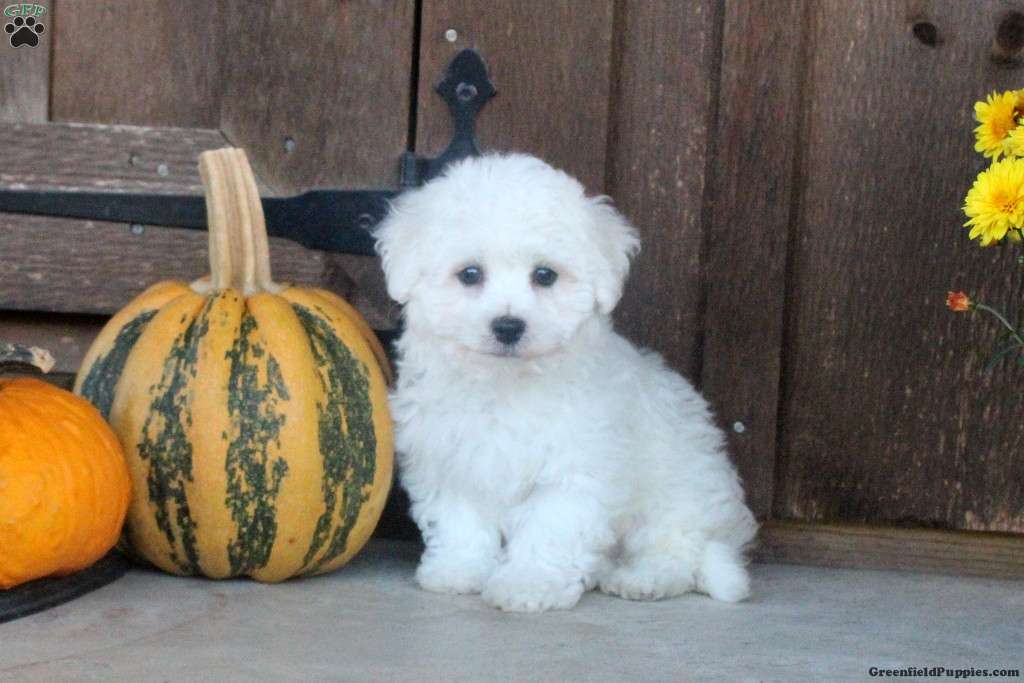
{"x":508,"y":330}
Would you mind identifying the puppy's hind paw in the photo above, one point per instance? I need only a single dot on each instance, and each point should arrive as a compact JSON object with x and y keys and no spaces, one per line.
{"x":528,"y":589}
{"x":637,"y":583}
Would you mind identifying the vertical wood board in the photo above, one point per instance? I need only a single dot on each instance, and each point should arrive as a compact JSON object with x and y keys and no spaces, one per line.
{"x":757,"y":143}
{"x":663,"y":87}
{"x":319,"y":92}
{"x":25,"y":74}
{"x":550,"y":61}
{"x":154,"y":63}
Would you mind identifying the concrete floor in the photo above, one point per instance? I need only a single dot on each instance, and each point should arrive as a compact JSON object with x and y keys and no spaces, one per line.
{"x":369,"y":622}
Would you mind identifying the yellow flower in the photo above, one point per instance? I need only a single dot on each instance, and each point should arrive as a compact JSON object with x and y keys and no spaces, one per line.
{"x":995,"y":203}
{"x":997,"y":116}
{"x":1013,"y":145}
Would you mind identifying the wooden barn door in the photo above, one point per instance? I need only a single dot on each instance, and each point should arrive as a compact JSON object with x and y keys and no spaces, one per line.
{"x":887,"y":414}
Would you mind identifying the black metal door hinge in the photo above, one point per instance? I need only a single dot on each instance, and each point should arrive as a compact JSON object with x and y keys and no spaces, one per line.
{"x":335,"y":220}
{"x":466,"y":88}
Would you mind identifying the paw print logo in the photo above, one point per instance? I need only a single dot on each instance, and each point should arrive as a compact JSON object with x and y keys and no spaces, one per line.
{"x":24,"y":31}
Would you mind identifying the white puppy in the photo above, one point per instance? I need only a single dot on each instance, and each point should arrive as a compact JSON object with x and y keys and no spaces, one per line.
{"x":543,"y":453}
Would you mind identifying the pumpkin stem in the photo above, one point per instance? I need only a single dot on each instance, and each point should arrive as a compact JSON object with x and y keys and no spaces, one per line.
{"x":15,"y":356}
{"x":239,"y":250}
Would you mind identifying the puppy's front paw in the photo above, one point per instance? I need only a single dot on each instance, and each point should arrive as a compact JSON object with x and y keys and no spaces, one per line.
{"x":451,"y":575}
{"x":523,"y":588}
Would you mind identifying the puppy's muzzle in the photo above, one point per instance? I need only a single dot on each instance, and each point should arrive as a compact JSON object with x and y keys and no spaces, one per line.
{"x":508,"y":330}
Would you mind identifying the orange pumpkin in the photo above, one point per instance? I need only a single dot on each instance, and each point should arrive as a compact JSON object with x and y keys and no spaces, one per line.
{"x":64,"y":485}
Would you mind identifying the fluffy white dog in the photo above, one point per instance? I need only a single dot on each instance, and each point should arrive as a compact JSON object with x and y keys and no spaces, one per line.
{"x":543,"y":453}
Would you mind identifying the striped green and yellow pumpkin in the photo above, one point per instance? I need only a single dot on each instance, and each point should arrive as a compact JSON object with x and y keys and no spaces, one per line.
{"x":253,"y":415}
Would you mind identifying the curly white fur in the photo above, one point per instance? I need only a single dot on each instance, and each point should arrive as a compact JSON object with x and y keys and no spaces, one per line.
{"x":570,"y":459}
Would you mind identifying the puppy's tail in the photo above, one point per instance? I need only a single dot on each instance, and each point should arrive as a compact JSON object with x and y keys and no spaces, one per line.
{"x":722,"y":573}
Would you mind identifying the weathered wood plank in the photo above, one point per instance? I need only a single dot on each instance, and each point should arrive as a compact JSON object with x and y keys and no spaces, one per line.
{"x":160,"y":67}
{"x":550,"y":58}
{"x":757,"y":143}
{"x":76,"y":156}
{"x":67,"y":337}
{"x":66,"y":265}
{"x":661,"y":109}
{"x":888,"y":414}
{"x":73,"y":266}
{"x":25,"y":76}
{"x":323,"y":107}
{"x":867,"y":547}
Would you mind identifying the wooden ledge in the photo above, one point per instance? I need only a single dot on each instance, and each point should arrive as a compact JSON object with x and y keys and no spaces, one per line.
{"x":965,"y":553}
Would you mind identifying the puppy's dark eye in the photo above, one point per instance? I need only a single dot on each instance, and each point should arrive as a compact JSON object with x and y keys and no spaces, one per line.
{"x":543,"y":277}
{"x":470,"y":275}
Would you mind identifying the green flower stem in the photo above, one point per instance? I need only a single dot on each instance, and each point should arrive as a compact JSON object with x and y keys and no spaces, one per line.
{"x":999,"y":316}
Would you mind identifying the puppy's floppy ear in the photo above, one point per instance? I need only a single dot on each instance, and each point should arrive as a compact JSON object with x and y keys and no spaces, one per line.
{"x":617,"y":243}
{"x":398,"y":239}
